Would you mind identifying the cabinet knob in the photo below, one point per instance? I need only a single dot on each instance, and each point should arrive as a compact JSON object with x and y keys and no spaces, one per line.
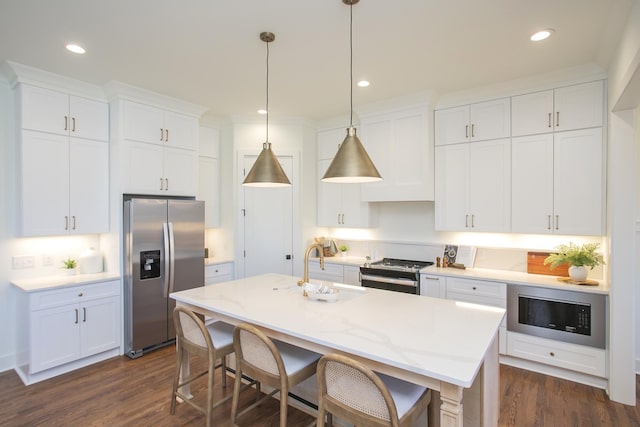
{"x":80,"y":294}
{"x":474,"y":288}
{"x":552,"y":354}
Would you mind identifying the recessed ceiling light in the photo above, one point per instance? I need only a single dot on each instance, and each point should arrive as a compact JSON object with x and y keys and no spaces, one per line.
{"x":262,"y":111}
{"x":363,"y":83}
{"x":75,"y":48}
{"x":541,"y":35}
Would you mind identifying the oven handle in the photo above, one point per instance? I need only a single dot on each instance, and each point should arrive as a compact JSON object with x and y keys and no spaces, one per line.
{"x":405,"y":282}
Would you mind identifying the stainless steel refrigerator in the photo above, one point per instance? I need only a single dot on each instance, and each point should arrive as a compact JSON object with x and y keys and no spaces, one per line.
{"x":163,"y":253}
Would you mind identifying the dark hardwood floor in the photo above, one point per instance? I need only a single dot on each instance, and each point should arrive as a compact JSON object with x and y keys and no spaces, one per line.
{"x":123,"y":392}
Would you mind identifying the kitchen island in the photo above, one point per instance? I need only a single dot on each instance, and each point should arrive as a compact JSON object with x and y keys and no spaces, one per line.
{"x":445,"y":345}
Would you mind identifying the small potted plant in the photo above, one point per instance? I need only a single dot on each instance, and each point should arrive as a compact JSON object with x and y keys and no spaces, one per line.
{"x":69,"y":266}
{"x":577,"y":257}
{"x":343,"y":249}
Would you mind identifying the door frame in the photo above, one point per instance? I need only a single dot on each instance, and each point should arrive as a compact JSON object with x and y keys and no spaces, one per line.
{"x":296,"y":230}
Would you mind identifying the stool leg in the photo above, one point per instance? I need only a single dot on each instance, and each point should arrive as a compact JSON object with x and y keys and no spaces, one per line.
{"x":224,"y":371}
{"x":236,"y":394}
{"x":176,"y":378}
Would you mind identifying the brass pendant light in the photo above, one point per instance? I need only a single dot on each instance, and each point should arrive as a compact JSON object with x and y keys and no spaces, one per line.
{"x":267,"y":171}
{"x":351,"y":164}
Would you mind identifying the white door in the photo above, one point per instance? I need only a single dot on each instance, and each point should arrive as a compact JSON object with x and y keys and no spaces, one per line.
{"x":268,"y":225}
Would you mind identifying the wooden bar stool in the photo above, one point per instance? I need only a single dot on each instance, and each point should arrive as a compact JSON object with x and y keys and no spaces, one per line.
{"x":270,"y":362}
{"x":211,"y":342}
{"x":352,"y":391}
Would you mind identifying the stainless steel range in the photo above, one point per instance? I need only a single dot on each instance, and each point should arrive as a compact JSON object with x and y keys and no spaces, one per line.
{"x":399,"y":275}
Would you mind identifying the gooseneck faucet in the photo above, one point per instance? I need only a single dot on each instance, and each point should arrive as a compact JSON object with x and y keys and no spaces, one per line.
{"x":318,"y":246}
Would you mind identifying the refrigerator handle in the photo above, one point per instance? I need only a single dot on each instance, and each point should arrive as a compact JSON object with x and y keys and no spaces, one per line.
{"x":167,"y":256}
{"x":172,"y":257}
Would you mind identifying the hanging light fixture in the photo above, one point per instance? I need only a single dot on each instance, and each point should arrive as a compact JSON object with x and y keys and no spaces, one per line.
{"x":351,"y":164}
{"x":267,"y":171}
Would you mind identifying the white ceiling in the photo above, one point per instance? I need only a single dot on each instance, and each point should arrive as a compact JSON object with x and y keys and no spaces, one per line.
{"x":209,"y":52}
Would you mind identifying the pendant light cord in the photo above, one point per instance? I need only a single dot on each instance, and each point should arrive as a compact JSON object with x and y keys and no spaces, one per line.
{"x":267,"y":106}
{"x":351,"y":63}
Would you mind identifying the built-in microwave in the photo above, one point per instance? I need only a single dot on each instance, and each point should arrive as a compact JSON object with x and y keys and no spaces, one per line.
{"x":570,"y":316}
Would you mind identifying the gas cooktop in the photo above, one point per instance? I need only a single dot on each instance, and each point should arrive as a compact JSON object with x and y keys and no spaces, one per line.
{"x":400,"y":264}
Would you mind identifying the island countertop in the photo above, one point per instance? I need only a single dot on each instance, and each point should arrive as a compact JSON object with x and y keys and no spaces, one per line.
{"x":441,"y":339}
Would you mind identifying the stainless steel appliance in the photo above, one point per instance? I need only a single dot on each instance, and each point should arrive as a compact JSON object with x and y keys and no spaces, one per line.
{"x":574,"y":317}
{"x":163,"y":253}
{"x":392,"y":274}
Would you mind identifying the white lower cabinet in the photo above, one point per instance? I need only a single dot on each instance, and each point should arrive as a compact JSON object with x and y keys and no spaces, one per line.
{"x":481,"y":292}
{"x":218,"y":273}
{"x":351,"y":275}
{"x":433,"y":286}
{"x":337,"y":273}
{"x":67,"y":325}
{"x":574,"y":357}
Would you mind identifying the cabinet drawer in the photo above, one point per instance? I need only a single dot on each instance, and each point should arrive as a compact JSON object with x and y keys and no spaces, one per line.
{"x":218,"y":270}
{"x":563,"y":355}
{"x":57,"y":297}
{"x":329,"y":269}
{"x":481,"y":289}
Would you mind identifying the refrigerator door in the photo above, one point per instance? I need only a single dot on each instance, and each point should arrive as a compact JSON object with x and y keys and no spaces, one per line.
{"x":186,"y":225}
{"x":145,"y":276}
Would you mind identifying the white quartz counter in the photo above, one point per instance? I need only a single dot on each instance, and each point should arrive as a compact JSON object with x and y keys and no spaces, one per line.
{"x":515,"y":277}
{"x":54,"y":282}
{"x":436,"y":338}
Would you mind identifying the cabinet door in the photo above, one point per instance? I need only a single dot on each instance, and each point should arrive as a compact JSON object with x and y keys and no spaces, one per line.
{"x":143,"y":168}
{"x":143,"y":123}
{"x":579,"y":182}
{"x":433,"y":286}
{"x":209,"y":142}
{"x":329,"y":199}
{"x":89,"y":118}
{"x":351,"y":275}
{"x":209,"y":190}
{"x":328,"y":143}
{"x":532,"y":113}
{"x":490,"y":120}
{"x":355,"y":212}
{"x":44,"y":184}
{"x":44,"y":110}
{"x":100,"y":325}
{"x":532,"y":184}
{"x":452,"y":125}
{"x":490,"y":185}
{"x":88,"y":186}
{"x":452,"y":187}
{"x":181,"y":131}
{"x":55,"y":337}
{"x":180,"y":171}
{"x":579,"y":106}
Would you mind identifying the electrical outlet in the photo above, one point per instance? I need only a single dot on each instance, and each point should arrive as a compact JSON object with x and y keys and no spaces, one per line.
{"x":47,"y":260}
{"x":24,"y":261}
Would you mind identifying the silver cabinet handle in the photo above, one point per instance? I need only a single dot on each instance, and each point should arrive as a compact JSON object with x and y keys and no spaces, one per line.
{"x":73,"y":124}
{"x":473,"y":134}
{"x":74,"y":222}
{"x":473,"y":217}
{"x":161,"y":134}
{"x":166,"y":139}
{"x":66,"y":123}
{"x":466,"y":131}
{"x":66,"y":222}
{"x":549,"y":122}
{"x":557,"y":118}
{"x":161,"y":186}
{"x":338,"y":218}
{"x":557,"y":222}
{"x":466,"y":221}
{"x":431,"y":278}
{"x":76,"y":316}
{"x":166,"y":181}
{"x":84,"y":314}
{"x":548,"y":222}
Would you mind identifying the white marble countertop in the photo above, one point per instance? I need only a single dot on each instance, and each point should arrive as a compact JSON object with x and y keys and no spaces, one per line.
{"x":217,"y":260}
{"x":515,"y":277}
{"x":54,"y":282}
{"x":436,"y":338}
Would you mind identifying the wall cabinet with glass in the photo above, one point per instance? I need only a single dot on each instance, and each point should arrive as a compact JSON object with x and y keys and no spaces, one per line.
{"x":63,"y":163}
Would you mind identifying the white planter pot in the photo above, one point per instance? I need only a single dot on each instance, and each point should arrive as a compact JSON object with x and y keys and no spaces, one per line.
{"x":343,"y":253}
{"x":578,"y":273}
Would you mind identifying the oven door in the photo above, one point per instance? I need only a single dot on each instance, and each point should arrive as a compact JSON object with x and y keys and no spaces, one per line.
{"x":407,"y":286}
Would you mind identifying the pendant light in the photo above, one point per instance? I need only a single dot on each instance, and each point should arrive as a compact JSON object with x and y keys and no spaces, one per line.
{"x":267,"y":171}
{"x":351,"y":164}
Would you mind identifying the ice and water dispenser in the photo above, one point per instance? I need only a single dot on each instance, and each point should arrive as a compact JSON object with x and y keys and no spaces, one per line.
{"x":149,"y":264}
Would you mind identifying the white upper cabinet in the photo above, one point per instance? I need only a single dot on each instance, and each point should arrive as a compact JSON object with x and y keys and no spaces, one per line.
{"x":567,"y":108}
{"x":209,"y":175}
{"x":51,"y":111}
{"x":153,"y":125}
{"x":473,"y":187}
{"x":63,"y":163}
{"x":558,"y":183}
{"x":329,"y":142}
{"x":474,"y":122}
{"x":399,"y":145}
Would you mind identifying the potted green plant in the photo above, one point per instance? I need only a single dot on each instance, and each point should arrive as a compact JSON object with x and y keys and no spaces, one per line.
{"x":343,"y":249}
{"x":577,"y":257}
{"x":69,"y":266}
